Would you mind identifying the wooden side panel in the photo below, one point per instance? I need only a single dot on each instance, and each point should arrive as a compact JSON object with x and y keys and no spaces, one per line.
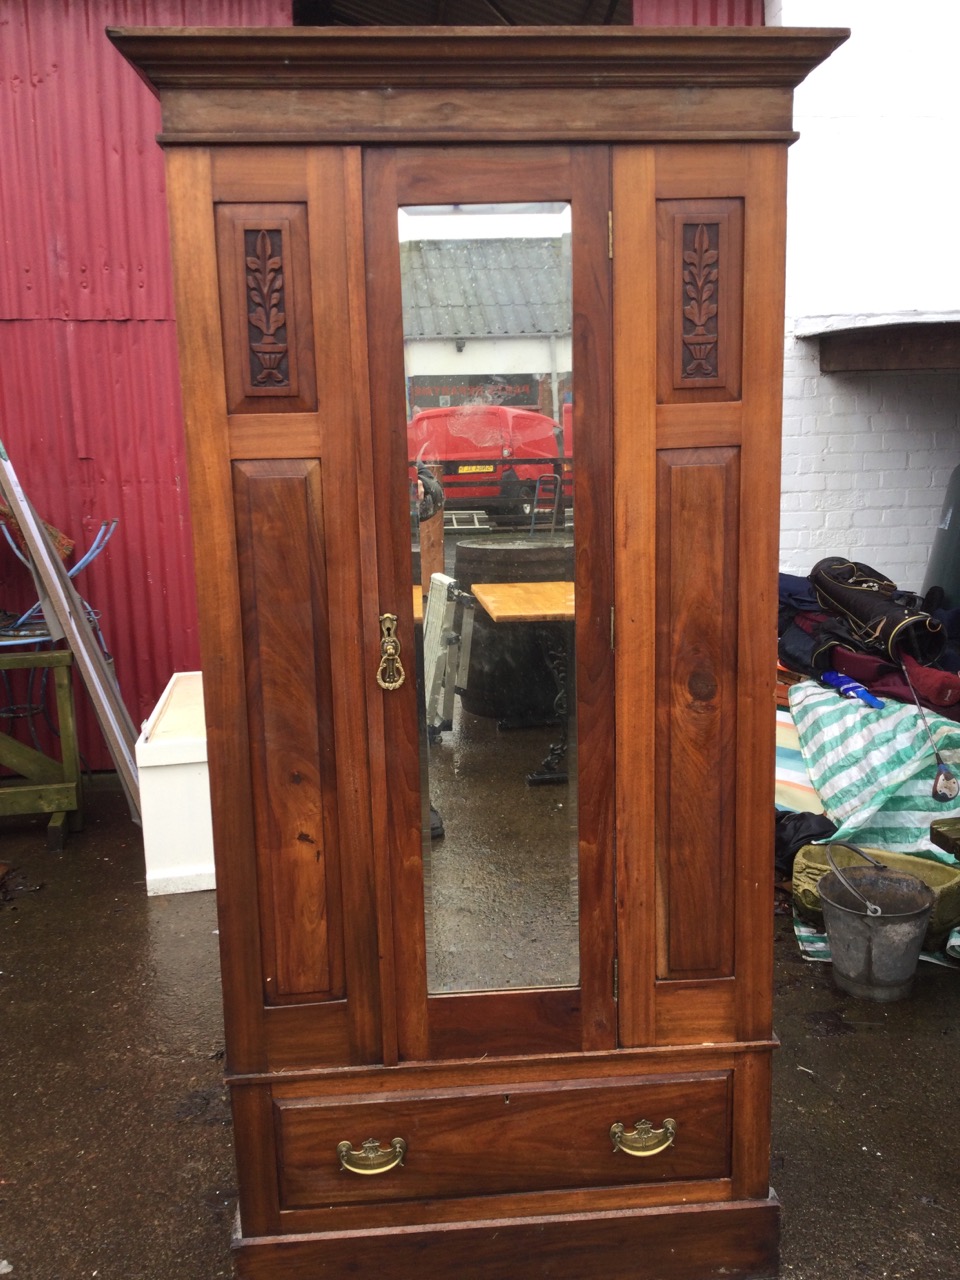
{"x":284,"y":603}
{"x":192,"y":231}
{"x":697,"y":386}
{"x":265,"y":249}
{"x":697,"y":539}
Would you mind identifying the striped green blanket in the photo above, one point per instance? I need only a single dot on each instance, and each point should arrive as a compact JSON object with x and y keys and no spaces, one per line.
{"x":873,"y":769}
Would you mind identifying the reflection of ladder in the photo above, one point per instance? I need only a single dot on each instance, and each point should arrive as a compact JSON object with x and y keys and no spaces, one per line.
{"x":546,"y":501}
{"x":460,"y":520}
{"x":447,"y":635}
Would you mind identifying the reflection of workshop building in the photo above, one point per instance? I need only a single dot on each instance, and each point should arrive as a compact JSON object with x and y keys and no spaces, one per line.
{"x":487,"y":321}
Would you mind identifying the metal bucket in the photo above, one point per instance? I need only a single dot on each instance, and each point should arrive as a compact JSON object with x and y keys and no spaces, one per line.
{"x":876,"y":920}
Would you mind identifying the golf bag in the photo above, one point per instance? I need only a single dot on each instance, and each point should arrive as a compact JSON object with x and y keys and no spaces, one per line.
{"x":881,"y":619}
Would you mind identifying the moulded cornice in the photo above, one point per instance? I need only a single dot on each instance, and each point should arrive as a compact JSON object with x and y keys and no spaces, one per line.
{"x":470,"y":57}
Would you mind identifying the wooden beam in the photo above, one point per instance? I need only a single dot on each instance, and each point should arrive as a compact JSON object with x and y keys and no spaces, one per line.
{"x":890,"y":348}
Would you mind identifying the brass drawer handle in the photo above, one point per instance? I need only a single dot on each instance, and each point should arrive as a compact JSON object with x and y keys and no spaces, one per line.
{"x":644,"y":1140}
{"x":371,"y":1158}
{"x":390,"y":673}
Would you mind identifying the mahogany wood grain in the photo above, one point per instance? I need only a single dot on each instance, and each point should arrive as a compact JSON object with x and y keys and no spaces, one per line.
{"x":753,"y":1086}
{"x":634,"y":554}
{"x":638,"y":1064}
{"x":301,"y":527}
{"x":492,"y":1141}
{"x":697,"y":591}
{"x":687,"y":426}
{"x":256,"y":1148}
{"x":281,"y":174}
{"x":205,"y":60}
{"x":364,"y":446}
{"x":302,"y":1035}
{"x":397,"y":798}
{"x":341,"y":367}
{"x":593,"y":346}
{"x":394,"y":116}
{"x":764,"y":250}
{"x":509,"y":1204}
{"x":296,"y":965}
{"x":287,"y":651}
{"x":696,"y":1010}
{"x":731,"y":1241}
{"x":506,"y":1022}
{"x":261,"y":435}
{"x":190,"y":201}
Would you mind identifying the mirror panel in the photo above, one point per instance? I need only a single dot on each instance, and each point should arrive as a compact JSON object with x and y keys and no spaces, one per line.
{"x":487,"y":312}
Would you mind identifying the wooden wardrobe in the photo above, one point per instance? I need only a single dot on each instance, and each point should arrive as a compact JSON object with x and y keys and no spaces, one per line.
{"x":540,"y":1046}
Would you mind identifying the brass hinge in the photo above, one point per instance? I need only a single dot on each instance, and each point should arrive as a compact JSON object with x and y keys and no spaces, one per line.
{"x":613,"y":637}
{"x":609,"y":233}
{"x":616,"y":979}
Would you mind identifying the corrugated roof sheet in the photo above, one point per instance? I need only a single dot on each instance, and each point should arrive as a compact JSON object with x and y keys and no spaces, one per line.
{"x":647,"y":13}
{"x":461,"y":12}
{"x":486,"y":288}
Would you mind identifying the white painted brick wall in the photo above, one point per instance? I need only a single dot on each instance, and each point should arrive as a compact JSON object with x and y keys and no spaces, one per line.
{"x":866,"y":461}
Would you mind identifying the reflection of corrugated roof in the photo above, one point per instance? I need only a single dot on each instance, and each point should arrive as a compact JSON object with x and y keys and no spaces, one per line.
{"x":486,"y":288}
{"x":459,"y":12}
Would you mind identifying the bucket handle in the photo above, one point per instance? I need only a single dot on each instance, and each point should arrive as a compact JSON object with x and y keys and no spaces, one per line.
{"x":872,"y":908}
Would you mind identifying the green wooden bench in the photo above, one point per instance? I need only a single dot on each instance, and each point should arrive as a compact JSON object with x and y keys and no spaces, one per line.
{"x":48,"y":785}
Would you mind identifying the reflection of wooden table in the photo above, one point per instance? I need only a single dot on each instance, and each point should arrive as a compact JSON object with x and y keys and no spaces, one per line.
{"x":548,"y":605}
{"x":526,"y":601}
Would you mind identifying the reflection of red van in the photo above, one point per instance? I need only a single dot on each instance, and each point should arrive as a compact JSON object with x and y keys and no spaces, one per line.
{"x":492,"y":455}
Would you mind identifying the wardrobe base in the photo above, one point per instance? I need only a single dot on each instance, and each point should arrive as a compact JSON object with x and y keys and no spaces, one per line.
{"x":738,"y":1240}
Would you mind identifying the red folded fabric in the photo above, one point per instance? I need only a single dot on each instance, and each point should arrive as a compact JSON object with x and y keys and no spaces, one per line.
{"x":937,"y":690}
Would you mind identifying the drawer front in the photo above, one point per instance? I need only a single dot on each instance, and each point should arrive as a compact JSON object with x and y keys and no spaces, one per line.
{"x":483,"y":1141}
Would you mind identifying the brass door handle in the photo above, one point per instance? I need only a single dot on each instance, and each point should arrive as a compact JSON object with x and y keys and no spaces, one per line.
{"x":390,"y":673}
{"x":644,"y":1139}
{"x":371,"y":1158}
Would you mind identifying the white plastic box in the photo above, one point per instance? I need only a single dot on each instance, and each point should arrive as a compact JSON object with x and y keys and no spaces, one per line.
{"x":175,"y":790}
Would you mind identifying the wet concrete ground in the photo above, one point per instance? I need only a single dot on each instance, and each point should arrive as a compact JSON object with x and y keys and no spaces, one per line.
{"x":115,"y":1143}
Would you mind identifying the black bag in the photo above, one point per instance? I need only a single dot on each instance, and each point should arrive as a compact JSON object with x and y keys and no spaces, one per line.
{"x":881,"y":618}
{"x":433,"y":495}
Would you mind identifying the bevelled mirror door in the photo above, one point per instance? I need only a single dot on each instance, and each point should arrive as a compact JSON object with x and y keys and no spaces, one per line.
{"x":500,"y":538}
{"x":487,"y":328}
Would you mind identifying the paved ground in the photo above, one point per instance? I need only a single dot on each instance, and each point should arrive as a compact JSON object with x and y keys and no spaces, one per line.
{"x":115,"y":1143}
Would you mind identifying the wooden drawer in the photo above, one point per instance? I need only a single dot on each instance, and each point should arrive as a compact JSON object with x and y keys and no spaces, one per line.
{"x":487,"y":1140}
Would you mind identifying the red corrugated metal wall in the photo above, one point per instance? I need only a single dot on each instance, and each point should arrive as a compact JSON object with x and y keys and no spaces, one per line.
{"x":89,"y":386}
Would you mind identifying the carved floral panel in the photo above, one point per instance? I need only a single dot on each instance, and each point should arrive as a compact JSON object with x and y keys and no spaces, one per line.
{"x":700,"y":277}
{"x":265,"y":306}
